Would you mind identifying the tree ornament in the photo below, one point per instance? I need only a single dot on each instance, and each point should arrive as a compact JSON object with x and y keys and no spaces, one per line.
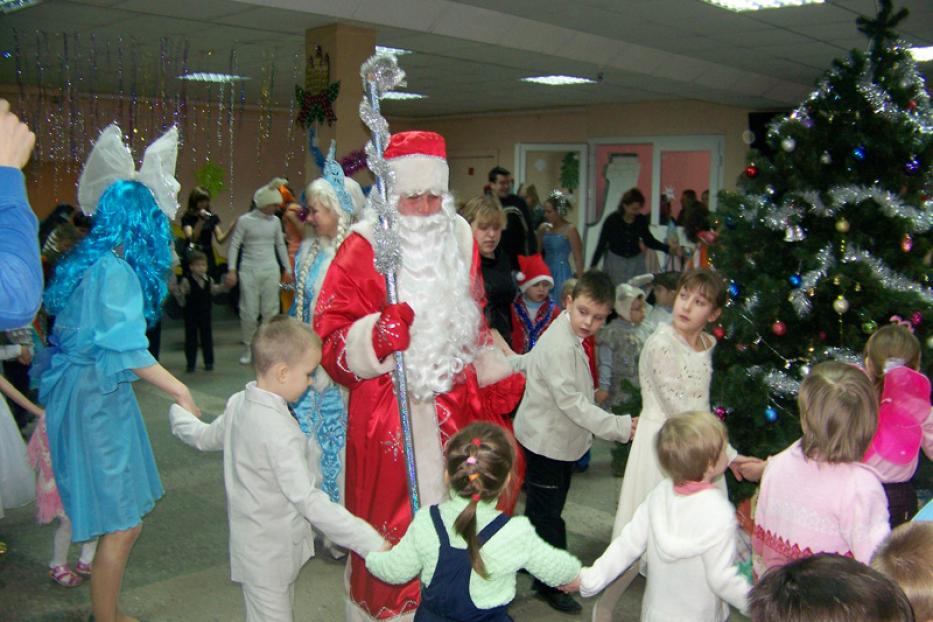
{"x":930,"y":342}
{"x":912,"y":105}
{"x":794,"y":280}
{"x":822,"y":335}
{"x":804,"y":370}
{"x":771,"y":414}
{"x":912,"y":166}
{"x":751,"y":171}
{"x":859,"y":153}
{"x":840,"y":304}
{"x":826,"y":158}
{"x":858,"y":287}
{"x":730,"y":222}
{"x":811,"y":292}
{"x":779,"y":328}
{"x":916,"y":319}
{"x":734,"y":290}
{"x":907,"y":243}
{"x":837,"y":280}
{"x":869,"y":327}
{"x":719,"y":333}
{"x":720,"y":412}
{"x":788,"y":144}
{"x":842,"y":225}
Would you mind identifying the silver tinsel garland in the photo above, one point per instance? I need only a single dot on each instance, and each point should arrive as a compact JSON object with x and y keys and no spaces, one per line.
{"x":798,"y":297}
{"x":889,"y":278}
{"x":776,"y":381}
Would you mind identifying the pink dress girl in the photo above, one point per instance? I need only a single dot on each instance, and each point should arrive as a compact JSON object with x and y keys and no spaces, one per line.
{"x":905,"y":425}
{"x":49,"y":507}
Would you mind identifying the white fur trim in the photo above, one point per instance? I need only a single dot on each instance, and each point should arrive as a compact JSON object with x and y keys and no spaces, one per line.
{"x":541,"y":277}
{"x":361,"y":357}
{"x":419,"y":174}
{"x":429,"y":453}
{"x":491,"y":367}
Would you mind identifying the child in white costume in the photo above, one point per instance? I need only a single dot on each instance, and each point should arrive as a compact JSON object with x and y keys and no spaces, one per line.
{"x":686,"y":527}
{"x":619,"y":344}
{"x":272,"y":498}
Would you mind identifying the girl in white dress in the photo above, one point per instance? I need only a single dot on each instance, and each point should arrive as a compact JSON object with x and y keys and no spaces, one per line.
{"x":674,"y":372}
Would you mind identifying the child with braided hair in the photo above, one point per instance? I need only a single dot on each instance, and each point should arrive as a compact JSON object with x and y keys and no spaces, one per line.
{"x":465,"y":552}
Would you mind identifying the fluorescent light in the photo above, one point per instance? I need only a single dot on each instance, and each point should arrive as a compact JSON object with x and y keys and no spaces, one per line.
{"x":558,"y":80}
{"x":401,"y":95}
{"x":206,"y":76}
{"x":922,"y":55}
{"x":381,"y":49}
{"x":757,"y":5}
{"x":8,"y":6}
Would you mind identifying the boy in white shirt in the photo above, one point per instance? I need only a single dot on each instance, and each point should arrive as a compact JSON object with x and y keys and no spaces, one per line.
{"x":272,"y":499}
{"x":557,"y":418}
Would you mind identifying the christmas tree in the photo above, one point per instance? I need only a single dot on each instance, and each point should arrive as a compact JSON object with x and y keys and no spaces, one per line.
{"x":827,"y":238}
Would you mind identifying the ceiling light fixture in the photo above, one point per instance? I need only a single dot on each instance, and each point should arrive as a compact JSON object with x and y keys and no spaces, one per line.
{"x":557,"y":80}
{"x":757,"y":5}
{"x":206,"y":76}
{"x":8,"y":6}
{"x":382,"y":49}
{"x":400,"y":95}
{"x":922,"y":55}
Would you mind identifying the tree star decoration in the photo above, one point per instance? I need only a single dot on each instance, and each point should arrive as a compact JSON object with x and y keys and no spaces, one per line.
{"x":316,"y":99}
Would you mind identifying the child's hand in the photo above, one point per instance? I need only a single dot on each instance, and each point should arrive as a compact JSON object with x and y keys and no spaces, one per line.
{"x":573,"y":586}
{"x":601,"y":396}
{"x":747,"y":467}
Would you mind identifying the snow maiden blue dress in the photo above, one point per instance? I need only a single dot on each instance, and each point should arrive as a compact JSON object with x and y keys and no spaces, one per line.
{"x":101,"y":455}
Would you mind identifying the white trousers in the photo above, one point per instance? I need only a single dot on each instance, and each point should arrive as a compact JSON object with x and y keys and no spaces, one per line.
{"x":266,"y":604}
{"x":259,"y":294}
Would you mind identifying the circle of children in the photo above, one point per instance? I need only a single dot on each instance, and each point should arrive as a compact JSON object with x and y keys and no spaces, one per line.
{"x":822,"y":545}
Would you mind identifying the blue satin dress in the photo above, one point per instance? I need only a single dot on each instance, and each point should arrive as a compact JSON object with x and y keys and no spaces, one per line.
{"x":101,"y":455}
{"x":557,"y":257}
{"x":321,"y":414}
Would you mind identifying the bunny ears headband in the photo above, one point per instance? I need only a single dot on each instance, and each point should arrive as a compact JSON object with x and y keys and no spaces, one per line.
{"x":111,"y":161}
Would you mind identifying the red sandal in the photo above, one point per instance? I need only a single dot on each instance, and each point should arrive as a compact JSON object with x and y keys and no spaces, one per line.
{"x":64,"y":576}
{"x":83,"y":568}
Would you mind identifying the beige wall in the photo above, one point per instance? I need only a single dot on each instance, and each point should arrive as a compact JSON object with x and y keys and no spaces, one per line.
{"x":491,"y":139}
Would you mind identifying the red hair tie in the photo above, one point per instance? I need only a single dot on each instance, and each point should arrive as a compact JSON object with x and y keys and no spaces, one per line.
{"x":476,"y":442}
{"x":475,"y":496}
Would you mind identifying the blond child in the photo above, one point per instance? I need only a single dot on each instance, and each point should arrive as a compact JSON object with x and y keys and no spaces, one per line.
{"x":272,"y":499}
{"x":816,"y":496}
{"x":906,"y":557}
{"x":686,"y":527}
{"x":464,"y":550}
{"x":905,"y":420}
{"x":566,"y":293}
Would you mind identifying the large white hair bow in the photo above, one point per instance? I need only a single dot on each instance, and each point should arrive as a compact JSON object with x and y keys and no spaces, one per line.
{"x":111,"y":161}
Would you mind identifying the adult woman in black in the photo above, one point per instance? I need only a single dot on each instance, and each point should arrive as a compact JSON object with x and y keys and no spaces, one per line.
{"x":487,"y":220}
{"x":621,"y":238}
{"x":201,"y":227}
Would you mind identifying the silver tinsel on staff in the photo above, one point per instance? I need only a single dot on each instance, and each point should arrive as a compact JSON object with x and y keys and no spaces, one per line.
{"x":380,"y":74}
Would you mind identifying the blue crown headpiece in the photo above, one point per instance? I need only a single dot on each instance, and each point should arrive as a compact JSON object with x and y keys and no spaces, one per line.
{"x":333,"y":174}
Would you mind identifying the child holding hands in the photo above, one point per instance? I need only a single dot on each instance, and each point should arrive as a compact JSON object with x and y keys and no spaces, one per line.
{"x":557,"y":418}
{"x":687,"y":528}
{"x":272,"y":500}
{"x":466,"y":552}
{"x":816,"y":496}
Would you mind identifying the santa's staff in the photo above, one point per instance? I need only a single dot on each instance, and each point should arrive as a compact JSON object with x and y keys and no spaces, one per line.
{"x":381,"y":74}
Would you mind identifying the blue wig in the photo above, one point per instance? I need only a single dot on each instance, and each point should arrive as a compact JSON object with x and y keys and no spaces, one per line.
{"x":127,"y":217}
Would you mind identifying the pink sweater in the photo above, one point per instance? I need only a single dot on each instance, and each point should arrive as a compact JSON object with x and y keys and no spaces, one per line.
{"x":807,"y":507}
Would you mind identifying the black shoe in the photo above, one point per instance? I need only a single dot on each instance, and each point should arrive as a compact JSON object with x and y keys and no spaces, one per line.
{"x":208,"y":368}
{"x":560,"y":601}
{"x":189,"y":370}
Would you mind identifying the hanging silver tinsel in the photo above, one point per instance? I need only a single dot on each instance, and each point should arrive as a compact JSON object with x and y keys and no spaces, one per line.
{"x":799,"y":298}
{"x":921,"y":220}
{"x":776,"y":381}
{"x":889,"y":278}
{"x":844,"y":355}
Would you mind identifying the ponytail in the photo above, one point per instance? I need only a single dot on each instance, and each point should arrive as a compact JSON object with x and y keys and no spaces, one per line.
{"x":479,"y":461}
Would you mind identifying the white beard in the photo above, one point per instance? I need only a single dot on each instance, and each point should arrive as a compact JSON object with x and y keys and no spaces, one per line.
{"x":435,"y":281}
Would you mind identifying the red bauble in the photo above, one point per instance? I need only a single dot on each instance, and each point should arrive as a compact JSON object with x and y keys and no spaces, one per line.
{"x":779,"y":328}
{"x":751,"y":171}
{"x":911,"y":105}
{"x":823,"y":335}
{"x":719,"y":333}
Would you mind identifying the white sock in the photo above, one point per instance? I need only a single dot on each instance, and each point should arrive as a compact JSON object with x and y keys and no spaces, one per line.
{"x":88,"y":549}
{"x":60,"y":543}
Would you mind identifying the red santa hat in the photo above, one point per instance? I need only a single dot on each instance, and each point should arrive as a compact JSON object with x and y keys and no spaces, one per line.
{"x":531,"y":270}
{"x":419,"y":160}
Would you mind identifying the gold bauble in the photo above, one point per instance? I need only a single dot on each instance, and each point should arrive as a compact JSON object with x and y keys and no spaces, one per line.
{"x":842,"y":225}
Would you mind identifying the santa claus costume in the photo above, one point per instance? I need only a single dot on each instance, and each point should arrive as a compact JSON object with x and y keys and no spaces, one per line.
{"x":454,"y":375}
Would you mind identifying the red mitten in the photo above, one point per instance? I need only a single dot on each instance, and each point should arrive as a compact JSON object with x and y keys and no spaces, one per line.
{"x":390,"y":334}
